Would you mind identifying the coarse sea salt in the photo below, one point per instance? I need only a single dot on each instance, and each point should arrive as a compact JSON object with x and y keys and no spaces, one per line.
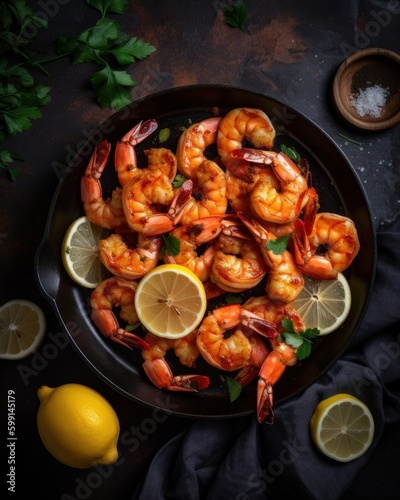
{"x":369,"y":101}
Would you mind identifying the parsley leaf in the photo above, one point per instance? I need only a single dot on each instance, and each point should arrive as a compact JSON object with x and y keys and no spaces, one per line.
{"x":106,"y":6}
{"x":132,"y":50}
{"x":301,"y":341}
{"x":100,"y":44}
{"x":111,"y":87}
{"x":290,"y":153}
{"x":178,"y":181}
{"x":130,"y":328}
{"x":278,"y":245}
{"x":171,"y":245}
{"x":236,"y":16}
{"x":6,"y":158}
{"x":234,"y":388}
{"x":231,"y":298}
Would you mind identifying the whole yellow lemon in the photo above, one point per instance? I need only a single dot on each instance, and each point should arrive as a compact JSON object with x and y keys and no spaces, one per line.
{"x":77,"y":425}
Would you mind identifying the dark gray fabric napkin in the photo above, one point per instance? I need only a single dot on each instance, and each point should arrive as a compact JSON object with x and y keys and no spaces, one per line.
{"x":241,"y":460}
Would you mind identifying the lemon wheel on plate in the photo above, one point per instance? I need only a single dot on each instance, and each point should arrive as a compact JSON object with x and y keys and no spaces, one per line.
{"x":80,"y":252}
{"x":170,"y":301}
{"x":324,"y":304}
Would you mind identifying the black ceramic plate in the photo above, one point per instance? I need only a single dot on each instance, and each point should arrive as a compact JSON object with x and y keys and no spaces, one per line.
{"x":339,"y":190}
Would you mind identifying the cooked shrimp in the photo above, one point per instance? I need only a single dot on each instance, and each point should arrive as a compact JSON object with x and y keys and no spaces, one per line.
{"x":238,"y":263}
{"x":285,"y":281}
{"x":221,"y":340}
{"x":238,"y":125}
{"x":238,"y":190}
{"x":208,"y":195}
{"x":191,"y":237}
{"x":271,"y":204}
{"x":159,"y":371}
{"x":146,"y":196}
{"x":192,"y":144}
{"x":105,"y":213}
{"x":125,"y":156}
{"x":274,"y":312}
{"x":162,"y":159}
{"x":282,"y":354}
{"x":258,"y":354}
{"x":330,"y":248}
{"x":113,"y":293}
{"x":130,"y":261}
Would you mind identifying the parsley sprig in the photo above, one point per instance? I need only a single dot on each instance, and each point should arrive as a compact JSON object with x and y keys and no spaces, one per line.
{"x":301,"y":341}
{"x":236,"y":16}
{"x":22,"y":97}
{"x":278,"y":245}
{"x":104,"y":44}
{"x":234,"y":388}
{"x":171,"y":246}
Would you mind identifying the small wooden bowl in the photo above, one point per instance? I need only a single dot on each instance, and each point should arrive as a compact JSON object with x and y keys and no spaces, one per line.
{"x":368,"y":83}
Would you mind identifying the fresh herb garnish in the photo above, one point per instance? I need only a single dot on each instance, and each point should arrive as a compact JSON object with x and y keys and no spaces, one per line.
{"x":130,"y":328}
{"x":105,"y":44}
{"x":350,"y":140}
{"x":164,"y":134}
{"x":291,"y":153}
{"x":178,"y":181}
{"x":232,"y":298}
{"x":278,"y":245}
{"x":301,"y":341}
{"x":171,"y":246}
{"x":234,"y":388}
{"x":21,"y":97}
{"x":236,"y":16}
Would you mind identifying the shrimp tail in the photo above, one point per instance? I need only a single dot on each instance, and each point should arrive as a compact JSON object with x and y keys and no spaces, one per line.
{"x":271,"y":371}
{"x":160,"y":223}
{"x":90,"y":186}
{"x":161,"y":375}
{"x":262,"y":326}
{"x":107,"y":323}
{"x":254,"y":155}
{"x":313,"y":265}
{"x":140,"y":131}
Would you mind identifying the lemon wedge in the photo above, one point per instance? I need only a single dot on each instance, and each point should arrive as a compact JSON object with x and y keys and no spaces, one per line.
{"x":170,"y":301}
{"x":80,"y":252}
{"x":324,"y":304}
{"x":22,"y":328}
{"x":342,"y":427}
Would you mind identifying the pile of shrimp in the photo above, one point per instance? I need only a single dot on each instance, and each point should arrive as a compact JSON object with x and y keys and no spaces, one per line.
{"x":224,"y":215}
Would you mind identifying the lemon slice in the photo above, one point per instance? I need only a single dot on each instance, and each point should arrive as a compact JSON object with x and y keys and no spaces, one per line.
{"x":342,"y":427}
{"x":170,"y":301}
{"x":324,"y":304}
{"x":80,"y":252}
{"x":22,"y":328}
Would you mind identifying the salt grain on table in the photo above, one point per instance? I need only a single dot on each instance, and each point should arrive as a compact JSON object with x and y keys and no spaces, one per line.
{"x":369,"y":101}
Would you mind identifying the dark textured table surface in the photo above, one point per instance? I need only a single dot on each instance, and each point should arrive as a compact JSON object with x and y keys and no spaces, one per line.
{"x":291,"y":54}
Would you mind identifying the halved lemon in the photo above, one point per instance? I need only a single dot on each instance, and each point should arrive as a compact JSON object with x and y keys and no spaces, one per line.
{"x":342,"y":427}
{"x":22,"y":328}
{"x":170,"y":301}
{"x":80,"y":252}
{"x":324,"y":304}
